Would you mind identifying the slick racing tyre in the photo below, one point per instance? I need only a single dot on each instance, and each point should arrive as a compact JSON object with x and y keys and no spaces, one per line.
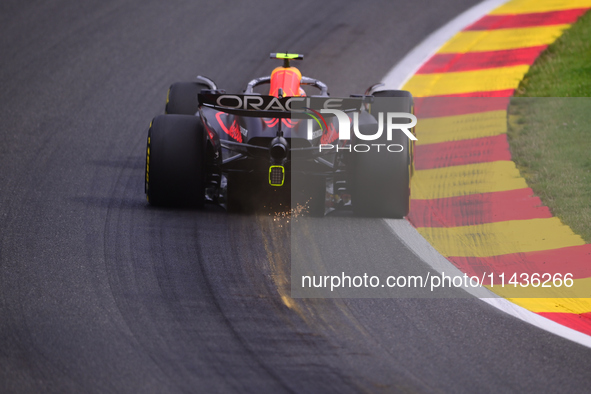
{"x":176,"y":161}
{"x":182,"y":98}
{"x":380,"y":181}
{"x":404,"y":103}
{"x":393,"y":93}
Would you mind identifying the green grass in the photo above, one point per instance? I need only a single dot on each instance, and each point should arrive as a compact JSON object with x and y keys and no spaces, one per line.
{"x":550,"y":127}
{"x":564,"y":68}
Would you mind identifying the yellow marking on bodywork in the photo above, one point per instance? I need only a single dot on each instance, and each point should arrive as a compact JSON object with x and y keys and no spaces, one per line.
{"x":492,"y":239}
{"x":282,"y":176}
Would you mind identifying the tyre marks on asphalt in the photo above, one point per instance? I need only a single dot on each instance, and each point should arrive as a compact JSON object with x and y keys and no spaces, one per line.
{"x":469,"y":200}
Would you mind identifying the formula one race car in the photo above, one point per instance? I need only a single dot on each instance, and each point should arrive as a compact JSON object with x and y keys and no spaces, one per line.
{"x":287,"y":147}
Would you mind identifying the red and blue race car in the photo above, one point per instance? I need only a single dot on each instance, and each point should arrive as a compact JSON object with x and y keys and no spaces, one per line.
{"x":282,"y":146}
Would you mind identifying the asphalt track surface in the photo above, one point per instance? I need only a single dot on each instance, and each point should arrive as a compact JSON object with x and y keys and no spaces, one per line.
{"x":101,"y":293}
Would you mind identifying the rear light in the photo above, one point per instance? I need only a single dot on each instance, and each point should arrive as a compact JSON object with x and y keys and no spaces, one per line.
{"x":276,"y":175}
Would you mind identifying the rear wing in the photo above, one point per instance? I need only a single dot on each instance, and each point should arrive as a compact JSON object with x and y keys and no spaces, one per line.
{"x":255,"y":105}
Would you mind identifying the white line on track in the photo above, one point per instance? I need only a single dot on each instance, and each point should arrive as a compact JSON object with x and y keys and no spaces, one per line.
{"x":410,"y":64}
{"x":395,"y":79}
{"x":423,"y":249}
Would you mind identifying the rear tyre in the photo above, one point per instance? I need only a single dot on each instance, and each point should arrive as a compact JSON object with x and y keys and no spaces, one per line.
{"x":182,"y":98}
{"x":175,"y":161}
{"x":393,"y":93}
{"x":380,"y":181}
